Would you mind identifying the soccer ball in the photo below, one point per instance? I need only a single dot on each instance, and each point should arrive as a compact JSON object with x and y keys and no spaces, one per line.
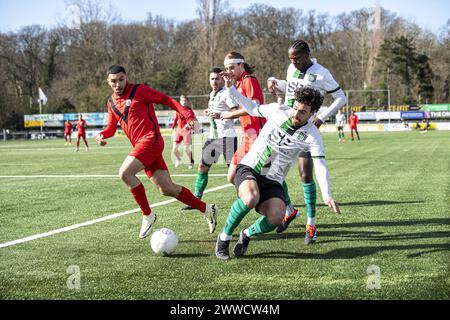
{"x":164,"y":242}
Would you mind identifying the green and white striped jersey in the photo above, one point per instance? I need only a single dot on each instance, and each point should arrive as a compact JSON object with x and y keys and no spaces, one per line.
{"x":219,"y":101}
{"x":316,"y":76}
{"x":279,"y":143}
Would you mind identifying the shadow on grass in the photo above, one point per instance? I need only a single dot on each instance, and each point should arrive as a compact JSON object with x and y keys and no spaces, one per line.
{"x":371,"y":203}
{"x":395,"y":223}
{"x":351,"y":252}
{"x":189,"y":255}
{"x":363,"y":235}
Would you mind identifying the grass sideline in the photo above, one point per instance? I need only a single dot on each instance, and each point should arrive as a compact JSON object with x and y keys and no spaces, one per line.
{"x":393,"y":190}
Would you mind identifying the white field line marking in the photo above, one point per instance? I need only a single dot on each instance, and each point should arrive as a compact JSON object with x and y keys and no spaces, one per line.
{"x":76,"y":176}
{"x":91,"y":222}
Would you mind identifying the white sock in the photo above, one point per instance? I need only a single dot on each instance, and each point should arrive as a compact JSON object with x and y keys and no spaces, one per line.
{"x":246,"y":232}
{"x":224,"y":237}
{"x":311,"y":221}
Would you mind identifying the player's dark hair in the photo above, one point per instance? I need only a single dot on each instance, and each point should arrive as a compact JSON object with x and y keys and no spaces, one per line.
{"x":115,"y":69}
{"x":309,"y":96}
{"x":300,"y":46}
{"x":215,"y":70}
{"x":236,"y":55}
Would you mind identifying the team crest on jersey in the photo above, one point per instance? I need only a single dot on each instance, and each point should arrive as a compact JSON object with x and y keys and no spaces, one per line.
{"x":302,"y":136}
{"x":312,"y":77}
{"x":128,"y":103}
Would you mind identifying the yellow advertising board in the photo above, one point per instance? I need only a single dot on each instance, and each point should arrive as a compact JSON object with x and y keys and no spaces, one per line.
{"x":33,"y":123}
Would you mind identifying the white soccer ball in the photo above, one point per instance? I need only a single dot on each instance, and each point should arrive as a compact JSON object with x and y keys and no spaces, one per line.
{"x":164,"y":241}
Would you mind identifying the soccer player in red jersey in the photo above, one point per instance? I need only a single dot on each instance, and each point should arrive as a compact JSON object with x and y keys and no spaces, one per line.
{"x":68,"y":132}
{"x":249,"y":86}
{"x":182,"y":133}
{"x":353,"y":123}
{"x":131,"y":105}
{"x":81,"y":127}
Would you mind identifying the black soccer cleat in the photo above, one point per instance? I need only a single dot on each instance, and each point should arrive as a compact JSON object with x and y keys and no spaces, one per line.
{"x":222,"y":249}
{"x":241,"y":245}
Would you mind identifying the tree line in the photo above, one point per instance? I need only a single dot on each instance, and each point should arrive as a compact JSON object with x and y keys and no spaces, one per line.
{"x":69,"y":62}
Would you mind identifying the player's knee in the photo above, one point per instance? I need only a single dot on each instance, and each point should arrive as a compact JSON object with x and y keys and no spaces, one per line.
{"x":277,"y":217}
{"x":250,"y":199}
{"x":167,"y":190}
{"x":123,"y":175}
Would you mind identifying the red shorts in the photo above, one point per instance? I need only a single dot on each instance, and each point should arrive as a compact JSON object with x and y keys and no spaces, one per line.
{"x":79,"y":135}
{"x":67,"y":133}
{"x":243,"y":149}
{"x":183,"y":135}
{"x":150,"y":154}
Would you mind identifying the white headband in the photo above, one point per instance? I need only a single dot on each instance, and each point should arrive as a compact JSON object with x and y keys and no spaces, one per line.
{"x":232,"y":61}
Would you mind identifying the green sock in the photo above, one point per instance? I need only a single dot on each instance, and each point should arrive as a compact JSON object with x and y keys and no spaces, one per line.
{"x":238,"y":211}
{"x":287,"y":199}
{"x":309,"y":192}
{"x":262,"y":225}
{"x":200,"y":184}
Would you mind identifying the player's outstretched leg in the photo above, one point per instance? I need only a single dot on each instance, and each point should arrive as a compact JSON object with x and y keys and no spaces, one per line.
{"x":200,"y":184}
{"x":209,"y":210}
{"x":273,"y":215}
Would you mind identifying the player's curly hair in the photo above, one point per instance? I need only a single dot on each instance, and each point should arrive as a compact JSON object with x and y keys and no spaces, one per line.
{"x":309,"y":96}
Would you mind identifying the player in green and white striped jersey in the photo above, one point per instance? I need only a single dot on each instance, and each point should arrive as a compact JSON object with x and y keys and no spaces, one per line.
{"x":222,"y":138}
{"x":304,"y":71}
{"x":260,"y":174}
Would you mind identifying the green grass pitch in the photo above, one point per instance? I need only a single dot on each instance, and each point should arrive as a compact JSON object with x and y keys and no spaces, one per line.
{"x":392,"y":240}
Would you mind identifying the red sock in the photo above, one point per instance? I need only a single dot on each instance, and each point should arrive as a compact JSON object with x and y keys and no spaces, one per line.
{"x":188,"y":198}
{"x":141,"y":199}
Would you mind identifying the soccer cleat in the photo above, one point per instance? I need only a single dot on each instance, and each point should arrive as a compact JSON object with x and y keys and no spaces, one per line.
{"x":190,"y":167}
{"x":310,"y":234}
{"x":211,"y":216}
{"x":241,"y":245}
{"x":222,"y":249}
{"x":287,"y":220}
{"x":177,"y":163}
{"x":147,"y":224}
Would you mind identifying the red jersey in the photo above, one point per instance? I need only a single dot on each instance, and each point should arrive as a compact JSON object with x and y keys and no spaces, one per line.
{"x":81,"y":126}
{"x":137,"y":117}
{"x":353,"y":121}
{"x":249,"y":86}
{"x":68,"y":127}
{"x":180,"y":122}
